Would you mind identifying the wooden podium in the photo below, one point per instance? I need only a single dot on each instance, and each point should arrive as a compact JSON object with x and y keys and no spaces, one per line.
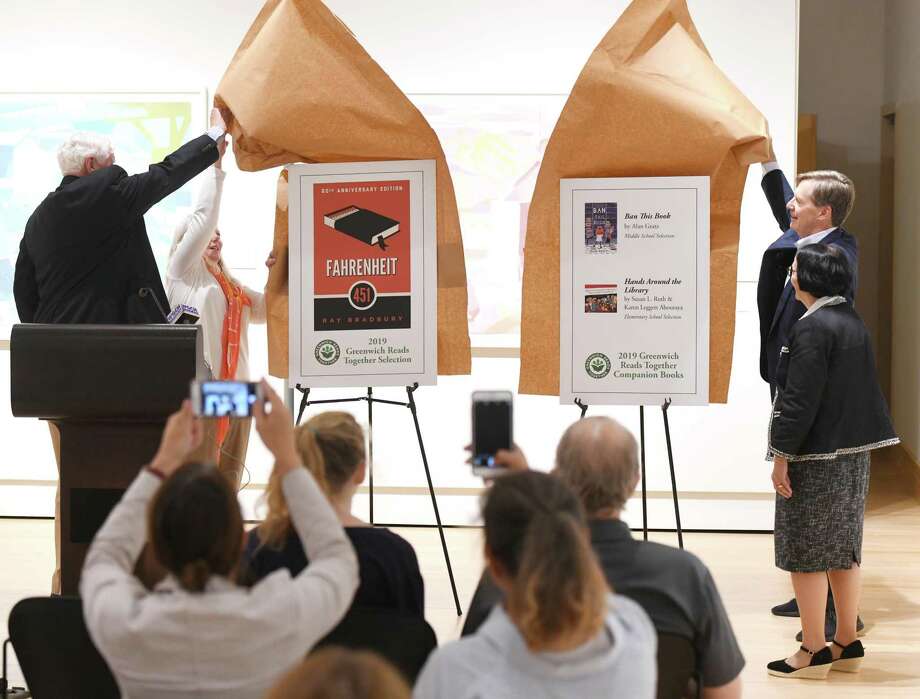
{"x":109,"y":389}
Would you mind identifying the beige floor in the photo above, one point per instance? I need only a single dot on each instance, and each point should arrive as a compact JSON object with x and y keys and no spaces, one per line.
{"x":742,"y":565}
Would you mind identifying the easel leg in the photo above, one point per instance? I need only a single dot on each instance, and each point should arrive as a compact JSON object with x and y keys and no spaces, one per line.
{"x":370,"y":449}
{"x":642,"y":452}
{"x":434,"y":502}
{"x":667,"y":436}
{"x":304,"y":402}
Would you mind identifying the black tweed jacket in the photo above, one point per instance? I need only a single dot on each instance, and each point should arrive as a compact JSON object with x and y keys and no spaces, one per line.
{"x":828,"y":400}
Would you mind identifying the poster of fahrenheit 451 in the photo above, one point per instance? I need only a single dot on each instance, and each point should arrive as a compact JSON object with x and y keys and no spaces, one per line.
{"x":363,"y":274}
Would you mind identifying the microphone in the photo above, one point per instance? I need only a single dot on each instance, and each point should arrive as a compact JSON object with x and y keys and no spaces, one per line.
{"x":146,"y":291}
{"x":183,"y":315}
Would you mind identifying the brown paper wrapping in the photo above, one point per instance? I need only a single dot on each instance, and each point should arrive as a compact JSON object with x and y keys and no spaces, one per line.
{"x":302,"y":89}
{"x":649,"y":102}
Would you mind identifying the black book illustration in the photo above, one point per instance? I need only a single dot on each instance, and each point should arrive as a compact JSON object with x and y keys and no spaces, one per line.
{"x":363,"y":224}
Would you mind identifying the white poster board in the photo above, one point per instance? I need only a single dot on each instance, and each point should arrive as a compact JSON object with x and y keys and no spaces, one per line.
{"x":634,"y":290}
{"x":363,"y":274}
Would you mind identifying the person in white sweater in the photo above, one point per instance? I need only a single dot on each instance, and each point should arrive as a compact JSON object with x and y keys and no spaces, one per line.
{"x":196,"y":276}
{"x":559,"y":632}
{"x":198,"y":634}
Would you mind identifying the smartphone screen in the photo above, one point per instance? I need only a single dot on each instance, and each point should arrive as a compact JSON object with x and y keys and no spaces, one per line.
{"x":491,"y":426}
{"x":224,"y":398}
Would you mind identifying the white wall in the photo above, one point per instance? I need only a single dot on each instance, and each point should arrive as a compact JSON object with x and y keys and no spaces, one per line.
{"x":841,"y":79}
{"x":902,"y":89}
{"x":478,"y":47}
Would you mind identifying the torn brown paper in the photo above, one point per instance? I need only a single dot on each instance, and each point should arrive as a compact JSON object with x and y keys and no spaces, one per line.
{"x":302,"y":89}
{"x":649,"y":102}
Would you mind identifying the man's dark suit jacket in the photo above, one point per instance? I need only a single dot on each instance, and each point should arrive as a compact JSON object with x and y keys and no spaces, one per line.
{"x":776,"y":302}
{"x":85,"y":256}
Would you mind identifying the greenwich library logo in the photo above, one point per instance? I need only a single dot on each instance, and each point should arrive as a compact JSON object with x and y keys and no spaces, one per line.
{"x":327,"y":352}
{"x":597,"y":365}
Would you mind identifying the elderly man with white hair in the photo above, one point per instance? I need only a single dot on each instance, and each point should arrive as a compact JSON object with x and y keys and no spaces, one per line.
{"x":85,"y":256}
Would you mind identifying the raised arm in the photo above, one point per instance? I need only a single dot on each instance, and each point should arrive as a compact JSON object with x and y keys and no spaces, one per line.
{"x":107,"y":585}
{"x":196,"y":231}
{"x":323,"y":591}
{"x":25,"y":286}
{"x":139,"y":192}
{"x":778,"y":192}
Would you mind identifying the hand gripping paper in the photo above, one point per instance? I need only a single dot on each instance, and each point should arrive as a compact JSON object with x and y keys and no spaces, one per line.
{"x":649,"y":102}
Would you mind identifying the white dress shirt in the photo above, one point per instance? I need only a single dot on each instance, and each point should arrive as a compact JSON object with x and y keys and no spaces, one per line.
{"x":189,"y":282}
{"x":814,"y":237}
{"x":228,"y":641}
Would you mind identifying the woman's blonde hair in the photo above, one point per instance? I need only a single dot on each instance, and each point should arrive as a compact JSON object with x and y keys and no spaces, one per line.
{"x":536,"y":529}
{"x":342,"y":674}
{"x":331,"y":447}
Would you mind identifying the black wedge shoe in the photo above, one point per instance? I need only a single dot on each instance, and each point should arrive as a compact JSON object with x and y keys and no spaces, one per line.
{"x":851,"y":657}
{"x":817,"y":669}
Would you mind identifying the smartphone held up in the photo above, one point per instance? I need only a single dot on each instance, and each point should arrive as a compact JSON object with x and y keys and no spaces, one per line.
{"x":492,"y":430}
{"x":216,"y":399}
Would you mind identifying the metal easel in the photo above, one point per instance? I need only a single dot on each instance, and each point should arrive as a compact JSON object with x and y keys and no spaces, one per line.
{"x":667,"y":435}
{"x":411,"y":405}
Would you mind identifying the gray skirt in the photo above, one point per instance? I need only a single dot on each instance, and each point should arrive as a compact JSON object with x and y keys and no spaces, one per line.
{"x":821,"y":526}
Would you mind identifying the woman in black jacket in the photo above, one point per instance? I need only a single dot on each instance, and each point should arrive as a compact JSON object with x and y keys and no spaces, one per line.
{"x":828,"y":414}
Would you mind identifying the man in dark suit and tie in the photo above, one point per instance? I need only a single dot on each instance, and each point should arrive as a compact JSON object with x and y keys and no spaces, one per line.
{"x":813,"y":213}
{"x":85,"y":256}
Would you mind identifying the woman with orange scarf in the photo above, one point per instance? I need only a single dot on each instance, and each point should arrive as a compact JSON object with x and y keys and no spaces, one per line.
{"x":196,"y":276}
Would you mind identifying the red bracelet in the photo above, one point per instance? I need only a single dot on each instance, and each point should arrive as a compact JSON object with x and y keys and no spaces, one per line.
{"x":156,"y":472}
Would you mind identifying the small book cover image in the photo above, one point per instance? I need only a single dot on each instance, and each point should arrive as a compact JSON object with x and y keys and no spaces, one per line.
{"x":600,"y":298}
{"x":601,"y":227}
{"x":362,"y":224}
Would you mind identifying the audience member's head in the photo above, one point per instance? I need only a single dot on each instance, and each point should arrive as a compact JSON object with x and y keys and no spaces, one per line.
{"x":331,"y":447}
{"x":538,"y":552}
{"x":821,"y":270}
{"x":337,"y":673}
{"x":599,"y":460}
{"x":84,"y":153}
{"x":195,"y":526}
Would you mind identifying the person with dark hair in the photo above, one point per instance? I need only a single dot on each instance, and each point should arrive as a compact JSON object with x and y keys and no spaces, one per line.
{"x":814,"y":213}
{"x":829,"y":413}
{"x":339,"y":673}
{"x":331,"y":447}
{"x":598,"y":459}
{"x":560,"y":631}
{"x":199,"y":634}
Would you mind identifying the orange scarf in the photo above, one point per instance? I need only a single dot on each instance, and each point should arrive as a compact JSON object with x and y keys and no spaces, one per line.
{"x":229,"y":339}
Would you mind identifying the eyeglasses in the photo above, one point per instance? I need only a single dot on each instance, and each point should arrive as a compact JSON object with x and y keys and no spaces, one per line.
{"x":791,"y":271}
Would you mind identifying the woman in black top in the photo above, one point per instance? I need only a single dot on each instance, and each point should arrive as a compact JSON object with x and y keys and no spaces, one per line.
{"x":829,"y":413}
{"x":331,"y":447}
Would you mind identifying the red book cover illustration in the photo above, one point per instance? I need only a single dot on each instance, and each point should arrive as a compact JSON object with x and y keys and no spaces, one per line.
{"x":361,"y":255}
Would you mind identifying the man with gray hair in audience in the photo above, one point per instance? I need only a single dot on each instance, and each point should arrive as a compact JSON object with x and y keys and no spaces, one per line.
{"x":598,"y":459}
